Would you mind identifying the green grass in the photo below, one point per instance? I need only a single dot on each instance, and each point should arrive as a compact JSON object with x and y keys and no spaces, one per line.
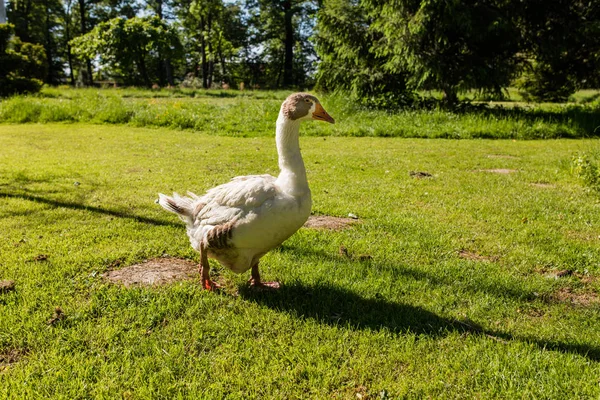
{"x":415,"y":321}
{"x":251,"y":113}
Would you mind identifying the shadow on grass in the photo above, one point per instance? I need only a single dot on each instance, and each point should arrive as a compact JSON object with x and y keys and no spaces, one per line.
{"x":493,"y":287}
{"x":82,"y":207}
{"x":335,"y":306}
{"x":586,"y":120}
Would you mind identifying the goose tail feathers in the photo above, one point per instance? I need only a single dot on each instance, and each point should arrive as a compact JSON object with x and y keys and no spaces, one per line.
{"x":182,"y":206}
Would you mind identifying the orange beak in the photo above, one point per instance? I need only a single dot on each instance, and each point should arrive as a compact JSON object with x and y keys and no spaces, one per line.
{"x":321,"y":115}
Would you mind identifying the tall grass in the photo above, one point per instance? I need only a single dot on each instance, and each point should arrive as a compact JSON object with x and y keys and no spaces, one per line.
{"x":252,"y":113}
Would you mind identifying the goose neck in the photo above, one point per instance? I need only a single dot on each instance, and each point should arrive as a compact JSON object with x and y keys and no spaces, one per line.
{"x":293,"y":173}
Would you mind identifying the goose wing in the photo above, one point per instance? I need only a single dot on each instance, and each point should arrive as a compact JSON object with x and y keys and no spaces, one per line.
{"x":235,"y":199}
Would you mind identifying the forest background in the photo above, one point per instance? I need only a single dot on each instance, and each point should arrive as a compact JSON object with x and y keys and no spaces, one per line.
{"x":384,"y":53}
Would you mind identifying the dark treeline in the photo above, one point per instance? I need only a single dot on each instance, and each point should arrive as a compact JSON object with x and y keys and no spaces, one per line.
{"x":200,"y":43}
{"x":380,"y":50}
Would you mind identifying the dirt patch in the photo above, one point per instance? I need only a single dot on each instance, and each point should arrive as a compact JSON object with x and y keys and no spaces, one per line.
{"x":327,"y":222}
{"x":469,"y":255}
{"x":7,"y":286}
{"x":420,"y":174}
{"x":566,"y":295}
{"x":57,"y":316}
{"x":500,"y":171}
{"x":9,"y":357}
{"x":159,"y":271}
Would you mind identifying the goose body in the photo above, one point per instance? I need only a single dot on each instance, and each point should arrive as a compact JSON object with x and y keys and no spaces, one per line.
{"x":240,"y":221}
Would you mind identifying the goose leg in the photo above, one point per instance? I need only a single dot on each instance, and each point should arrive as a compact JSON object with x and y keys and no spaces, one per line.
{"x":257,"y":283}
{"x":204,"y":269}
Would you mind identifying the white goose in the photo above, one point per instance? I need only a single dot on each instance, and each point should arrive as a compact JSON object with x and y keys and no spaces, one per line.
{"x":239,"y":222}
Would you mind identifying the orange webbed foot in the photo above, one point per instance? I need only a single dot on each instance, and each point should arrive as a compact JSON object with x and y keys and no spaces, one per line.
{"x":210,"y":285}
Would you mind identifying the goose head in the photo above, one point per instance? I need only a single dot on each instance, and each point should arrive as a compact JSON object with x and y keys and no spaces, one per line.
{"x":304,"y":106}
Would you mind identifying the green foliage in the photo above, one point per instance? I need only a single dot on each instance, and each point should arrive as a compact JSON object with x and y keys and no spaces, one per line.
{"x":449,"y":45}
{"x":214,"y":35}
{"x":562,"y":38}
{"x":280,"y":30}
{"x":21,"y":64}
{"x":129,"y":47}
{"x":544,"y":83}
{"x":586,"y":167}
{"x":349,"y":63}
{"x":39,"y":22}
{"x":252,"y":113}
{"x":373,"y":47}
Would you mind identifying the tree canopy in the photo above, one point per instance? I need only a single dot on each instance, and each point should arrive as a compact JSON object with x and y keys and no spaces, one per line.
{"x":381,"y":51}
{"x":129,"y":47}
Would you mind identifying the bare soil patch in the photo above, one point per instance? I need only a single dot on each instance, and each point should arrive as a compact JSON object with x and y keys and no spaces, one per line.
{"x":500,"y":171}
{"x":7,"y":286}
{"x":9,"y":357}
{"x":567,"y":295}
{"x":155,"y":272}
{"x":420,"y":174}
{"x":469,"y":255}
{"x":328,"y":222}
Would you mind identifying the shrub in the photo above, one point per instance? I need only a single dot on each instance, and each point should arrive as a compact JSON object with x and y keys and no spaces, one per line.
{"x":21,"y":64}
{"x":546,"y":83}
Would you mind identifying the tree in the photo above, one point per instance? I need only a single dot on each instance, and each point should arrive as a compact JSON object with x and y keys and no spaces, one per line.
{"x":349,"y":61}
{"x":452,"y":45}
{"x":21,"y":64}
{"x":562,"y":40}
{"x":38,"y":22}
{"x":214,"y":33}
{"x":281,"y":31}
{"x":165,"y":67}
{"x":127,"y":47}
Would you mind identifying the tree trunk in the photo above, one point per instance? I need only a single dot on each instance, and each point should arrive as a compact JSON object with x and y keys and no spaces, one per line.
{"x":288,"y":64}
{"x":88,"y":63}
{"x":223,"y":71}
{"x":159,"y":9}
{"x":203,"y":55}
{"x":143,"y":70}
{"x":68,"y":39}
{"x":161,"y":69}
{"x":211,"y":62}
{"x":2,"y":12}
{"x":162,"y":64}
{"x":70,"y":60}
{"x":450,"y":96}
{"x":48,"y":46}
{"x":169,"y":72}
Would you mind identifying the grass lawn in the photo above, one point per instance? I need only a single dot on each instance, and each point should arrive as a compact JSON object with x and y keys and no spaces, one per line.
{"x":251,"y":113}
{"x":472,"y":283}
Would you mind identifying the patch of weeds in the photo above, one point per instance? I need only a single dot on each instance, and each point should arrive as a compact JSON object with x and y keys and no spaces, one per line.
{"x":586,"y":167}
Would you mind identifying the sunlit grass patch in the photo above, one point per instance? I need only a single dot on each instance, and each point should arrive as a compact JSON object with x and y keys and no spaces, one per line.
{"x":457,"y":284}
{"x":251,"y":113}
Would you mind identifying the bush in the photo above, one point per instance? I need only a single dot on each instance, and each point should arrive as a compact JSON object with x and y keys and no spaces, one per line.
{"x":546,"y":83}
{"x":22,"y":65}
